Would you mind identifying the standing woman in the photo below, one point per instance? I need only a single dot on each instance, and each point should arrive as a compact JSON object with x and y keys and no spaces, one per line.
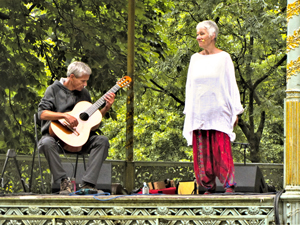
{"x":212,"y":106}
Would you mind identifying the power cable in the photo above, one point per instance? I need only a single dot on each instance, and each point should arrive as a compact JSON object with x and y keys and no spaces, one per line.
{"x":276,"y":206}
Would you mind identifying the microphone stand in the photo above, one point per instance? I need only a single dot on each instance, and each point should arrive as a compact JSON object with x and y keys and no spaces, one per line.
{"x":244,"y":146}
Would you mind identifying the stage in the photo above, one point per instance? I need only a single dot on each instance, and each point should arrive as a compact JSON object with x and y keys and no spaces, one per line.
{"x":32,"y":207}
{"x":237,"y":208}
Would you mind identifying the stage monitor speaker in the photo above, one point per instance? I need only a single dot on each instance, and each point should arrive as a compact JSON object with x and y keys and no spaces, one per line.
{"x":248,"y":179}
{"x":103,"y":182}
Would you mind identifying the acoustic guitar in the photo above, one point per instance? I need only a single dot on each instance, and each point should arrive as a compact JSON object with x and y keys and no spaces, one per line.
{"x":88,"y":116}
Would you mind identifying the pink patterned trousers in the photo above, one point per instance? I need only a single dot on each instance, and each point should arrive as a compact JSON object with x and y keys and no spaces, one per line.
{"x":213,"y":158}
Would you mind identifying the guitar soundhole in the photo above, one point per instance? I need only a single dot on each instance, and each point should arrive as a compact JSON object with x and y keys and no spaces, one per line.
{"x":84,"y":116}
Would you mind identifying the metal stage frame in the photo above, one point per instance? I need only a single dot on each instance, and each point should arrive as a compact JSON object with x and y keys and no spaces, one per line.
{"x":159,"y":209}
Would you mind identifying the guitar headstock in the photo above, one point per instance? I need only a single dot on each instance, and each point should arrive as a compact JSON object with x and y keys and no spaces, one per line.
{"x":124,"y":81}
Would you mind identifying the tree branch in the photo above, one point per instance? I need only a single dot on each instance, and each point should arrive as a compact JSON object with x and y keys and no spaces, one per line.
{"x":4,"y":16}
{"x":13,"y":112}
{"x":191,"y":15}
{"x":151,"y":88}
{"x":261,"y":124}
{"x":170,"y":94}
{"x":257,"y":82}
{"x":244,"y":127}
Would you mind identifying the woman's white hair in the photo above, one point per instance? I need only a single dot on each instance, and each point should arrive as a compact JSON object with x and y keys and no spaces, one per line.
{"x":78,"y":69}
{"x":211,"y":27}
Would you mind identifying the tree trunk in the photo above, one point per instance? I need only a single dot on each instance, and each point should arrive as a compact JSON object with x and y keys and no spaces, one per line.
{"x":253,"y":137}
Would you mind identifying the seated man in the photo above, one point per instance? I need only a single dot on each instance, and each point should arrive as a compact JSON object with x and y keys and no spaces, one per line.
{"x":59,"y":98}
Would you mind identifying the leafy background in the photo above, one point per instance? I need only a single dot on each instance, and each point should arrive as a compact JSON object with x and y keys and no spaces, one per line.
{"x":40,"y":38}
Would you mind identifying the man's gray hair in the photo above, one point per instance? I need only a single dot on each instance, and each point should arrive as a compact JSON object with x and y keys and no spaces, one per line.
{"x":211,"y":27}
{"x":78,"y":69}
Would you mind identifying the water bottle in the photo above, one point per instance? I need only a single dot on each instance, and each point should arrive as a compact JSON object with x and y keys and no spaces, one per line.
{"x":145,"y":189}
{"x":73,"y":183}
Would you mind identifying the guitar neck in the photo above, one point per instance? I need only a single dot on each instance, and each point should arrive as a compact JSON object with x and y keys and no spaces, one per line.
{"x":101,"y":100}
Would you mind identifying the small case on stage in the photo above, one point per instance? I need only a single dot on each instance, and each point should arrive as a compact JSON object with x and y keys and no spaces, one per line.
{"x":166,"y":191}
{"x":161,"y":187}
{"x":186,"y":188}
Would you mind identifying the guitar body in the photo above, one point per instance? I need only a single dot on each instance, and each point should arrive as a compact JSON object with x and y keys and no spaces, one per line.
{"x":74,"y":139}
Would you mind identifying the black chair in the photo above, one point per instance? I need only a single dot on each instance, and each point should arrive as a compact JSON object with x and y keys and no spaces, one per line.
{"x":37,"y":124}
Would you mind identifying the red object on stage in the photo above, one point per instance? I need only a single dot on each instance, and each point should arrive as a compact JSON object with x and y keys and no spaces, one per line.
{"x":166,"y":191}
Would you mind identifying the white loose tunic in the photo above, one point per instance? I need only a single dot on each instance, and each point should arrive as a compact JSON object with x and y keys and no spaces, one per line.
{"x":212,"y":99}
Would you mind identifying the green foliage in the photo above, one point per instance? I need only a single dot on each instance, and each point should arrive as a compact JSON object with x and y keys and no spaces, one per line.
{"x":158,"y":133}
{"x":39,"y":39}
{"x":254,"y":33}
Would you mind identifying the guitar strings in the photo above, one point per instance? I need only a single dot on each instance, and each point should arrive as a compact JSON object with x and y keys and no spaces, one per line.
{"x":100,"y":101}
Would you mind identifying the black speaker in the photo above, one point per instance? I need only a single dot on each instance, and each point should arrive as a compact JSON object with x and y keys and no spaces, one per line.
{"x":103,"y":182}
{"x":248,"y":179}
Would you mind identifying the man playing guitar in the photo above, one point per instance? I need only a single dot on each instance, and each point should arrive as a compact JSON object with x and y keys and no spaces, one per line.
{"x":59,"y":100}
